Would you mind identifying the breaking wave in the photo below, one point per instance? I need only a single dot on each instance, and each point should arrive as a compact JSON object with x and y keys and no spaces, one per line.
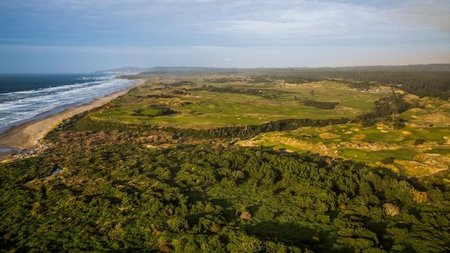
{"x":21,"y":106}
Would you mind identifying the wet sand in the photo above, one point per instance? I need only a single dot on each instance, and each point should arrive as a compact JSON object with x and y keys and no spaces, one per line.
{"x":28,"y":135}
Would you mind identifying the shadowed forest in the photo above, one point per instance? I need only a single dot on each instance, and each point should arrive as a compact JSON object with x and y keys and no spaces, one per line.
{"x":293,"y":160}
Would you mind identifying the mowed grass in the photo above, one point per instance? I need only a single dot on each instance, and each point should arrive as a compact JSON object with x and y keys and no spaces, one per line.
{"x":377,"y":156}
{"x":335,"y":92}
{"x":380,"y":133}
{"x":420,"y":148}
{"x":207,"y":109}
{"x":125,"y":114}
{"x":414,"y":154}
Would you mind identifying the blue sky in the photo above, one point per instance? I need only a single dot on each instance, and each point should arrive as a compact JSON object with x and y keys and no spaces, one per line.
{"x":88,"y":35}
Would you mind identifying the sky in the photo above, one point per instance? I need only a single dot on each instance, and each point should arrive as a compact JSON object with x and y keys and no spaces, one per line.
{"x":49,"y":36}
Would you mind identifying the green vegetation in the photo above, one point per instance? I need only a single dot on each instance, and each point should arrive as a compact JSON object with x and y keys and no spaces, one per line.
{"x":413,"y":150}
{"x":226,"y":163}
{"x":111,"y":195}
{"x":203,"y":107}
{"x":321,"y":105}
{"x":432,"y":80}
{"x":384,"y":108}
{"x":375,"y":156}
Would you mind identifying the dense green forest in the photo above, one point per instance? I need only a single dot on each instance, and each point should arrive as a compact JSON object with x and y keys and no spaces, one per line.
{"x":97,"y":195}
{"x":129,"y":187}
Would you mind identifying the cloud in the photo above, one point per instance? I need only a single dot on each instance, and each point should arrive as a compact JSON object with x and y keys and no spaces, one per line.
{"x":425,"y":13}
{"x":223,"y":33}
{"x":302,"y":19}
{"x":245,"y":18}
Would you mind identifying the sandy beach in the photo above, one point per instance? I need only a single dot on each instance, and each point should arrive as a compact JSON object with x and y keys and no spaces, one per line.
{"x":27,"y":135}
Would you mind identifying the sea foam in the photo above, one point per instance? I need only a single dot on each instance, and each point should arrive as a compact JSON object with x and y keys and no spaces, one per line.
{"x":22,"y":106}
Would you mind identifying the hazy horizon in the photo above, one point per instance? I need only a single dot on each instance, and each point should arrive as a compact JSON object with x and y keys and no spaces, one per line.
{"x":75,"y":36}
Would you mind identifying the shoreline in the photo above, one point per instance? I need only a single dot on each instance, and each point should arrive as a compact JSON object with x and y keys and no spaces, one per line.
{"x":26,"y":136}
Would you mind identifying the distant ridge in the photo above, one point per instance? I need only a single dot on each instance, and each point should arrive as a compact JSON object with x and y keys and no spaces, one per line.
{"x":185,"y":69}
{"x":419,"y":67}
{"x":122,"y":71}
{"x":192,"y":70}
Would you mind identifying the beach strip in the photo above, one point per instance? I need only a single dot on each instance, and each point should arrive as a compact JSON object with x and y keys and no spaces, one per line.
{"x":28,"y":135}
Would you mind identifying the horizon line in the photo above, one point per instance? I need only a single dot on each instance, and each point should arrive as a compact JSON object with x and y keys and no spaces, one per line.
{"x":230,"y":68}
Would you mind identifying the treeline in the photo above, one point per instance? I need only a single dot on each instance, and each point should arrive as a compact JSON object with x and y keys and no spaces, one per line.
{"x":421,"y":83}
{"x":226,"y":79}
{"x":102,"y":193}
{"x":422,"y":80}
{"x":178,"y":83}
{"x":265,"y":93}
{"x":162,"y":111}
{"x":320,"y":104}
{"x":228,"y":89}
{"x":385,"y":107}
{"x":245,"y":132}
{"x":84,"y":123}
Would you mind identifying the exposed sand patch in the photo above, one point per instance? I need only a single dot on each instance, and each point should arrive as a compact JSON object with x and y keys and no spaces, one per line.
{"x":328,"y":136}
{"x":439,"y":118}
{"x":415,"y":168}
{"x":358,"y":137}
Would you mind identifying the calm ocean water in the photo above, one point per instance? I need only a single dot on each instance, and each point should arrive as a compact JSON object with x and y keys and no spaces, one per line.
{"x":28,"y":96}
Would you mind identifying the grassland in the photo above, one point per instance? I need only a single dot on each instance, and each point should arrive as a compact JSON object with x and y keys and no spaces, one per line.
{"x":420,"y":148}
{"x":113,"y":179}
{"x":196,"y":106}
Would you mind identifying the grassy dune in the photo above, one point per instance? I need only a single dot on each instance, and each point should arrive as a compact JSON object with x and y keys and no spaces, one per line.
{"x":207,"y":109}
{"x":419,"y":149}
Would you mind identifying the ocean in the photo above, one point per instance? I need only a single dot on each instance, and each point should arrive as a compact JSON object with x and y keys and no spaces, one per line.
{"x":24,"y":97}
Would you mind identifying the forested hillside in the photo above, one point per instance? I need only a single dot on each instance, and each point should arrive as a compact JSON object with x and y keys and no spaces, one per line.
{"x":237,"y":164}
{"x":96,"y":195}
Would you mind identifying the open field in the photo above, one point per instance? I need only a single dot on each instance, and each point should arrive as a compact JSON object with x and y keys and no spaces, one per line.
{"x":205,"y":105}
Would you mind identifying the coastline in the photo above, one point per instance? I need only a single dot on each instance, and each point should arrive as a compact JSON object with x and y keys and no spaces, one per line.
{"x":27,"y":135}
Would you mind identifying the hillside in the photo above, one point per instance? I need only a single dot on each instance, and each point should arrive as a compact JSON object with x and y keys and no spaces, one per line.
{"x":237,"y":163}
